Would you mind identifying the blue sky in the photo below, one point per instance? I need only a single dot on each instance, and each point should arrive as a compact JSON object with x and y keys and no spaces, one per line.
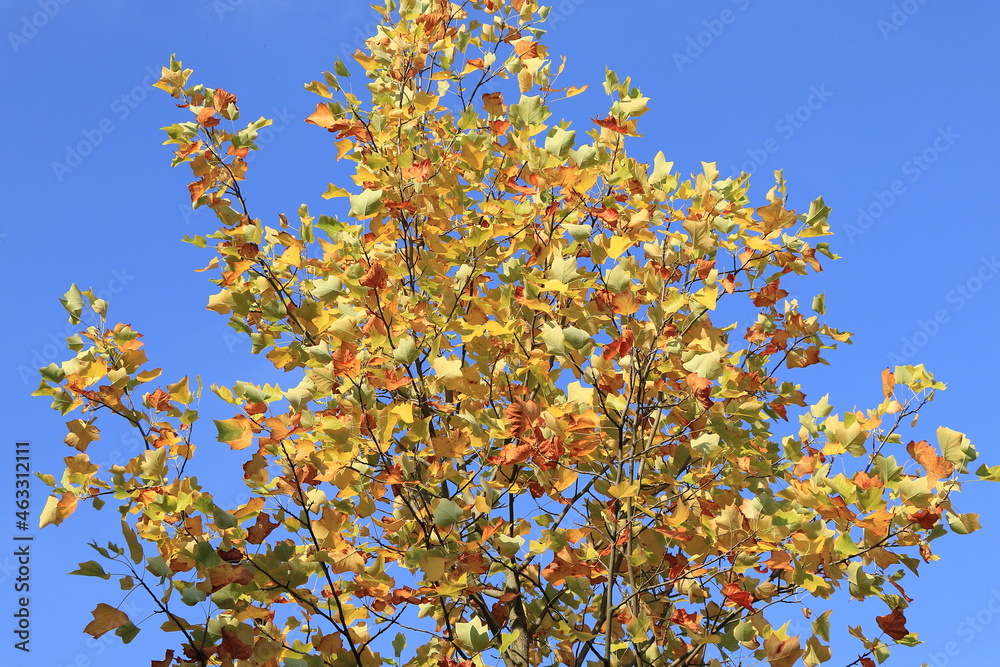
{"x":886,"y":109}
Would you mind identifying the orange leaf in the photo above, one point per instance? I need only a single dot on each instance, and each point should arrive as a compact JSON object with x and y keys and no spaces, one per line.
{"x":734,"y":593}
{"x":888,"y":382}
{"x":205,"y":117}
{"x":322,"y":117}
{"x":493,"y":103}
{"x":522,"y":415}
{"x":936,"y":466}
{"x":159,"y":400}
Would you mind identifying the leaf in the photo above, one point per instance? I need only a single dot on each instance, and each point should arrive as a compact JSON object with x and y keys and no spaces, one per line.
{"x":72,"y":301}
{"x":893,"y":624}
{"x":447,"y":513}
{"x":56,"y":509}
{"x":707,"y":365}
{"x":106,"y":618}
{"x":783,"y":652}
{"x":322,"y":116}
{"x":366,"y":204}
{"x":134,"y":548}
{"x":738,"y":596}
{"x":234,"y":432}
{"x":81,"y":434}
{"x":560,"y":141}
{"x":91,"y":568}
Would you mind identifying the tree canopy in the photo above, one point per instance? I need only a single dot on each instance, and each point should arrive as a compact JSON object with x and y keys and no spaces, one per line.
{"x":538,"y":407}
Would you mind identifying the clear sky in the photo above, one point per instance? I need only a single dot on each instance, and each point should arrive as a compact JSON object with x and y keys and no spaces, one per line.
{"x":886,"y":109}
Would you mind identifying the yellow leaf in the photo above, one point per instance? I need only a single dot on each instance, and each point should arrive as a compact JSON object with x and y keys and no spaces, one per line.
{"x":617,"y":245}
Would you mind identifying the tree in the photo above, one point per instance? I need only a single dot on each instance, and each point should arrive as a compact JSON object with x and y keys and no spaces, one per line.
{"x":514,"y":428}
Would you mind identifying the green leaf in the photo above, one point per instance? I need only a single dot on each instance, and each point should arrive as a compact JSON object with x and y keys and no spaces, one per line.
{"x":578,"y":339}
{"x":554,"y":339}
{"x":406,"y":351}
{"x":447,"y":513}
{"x":134,"y":548}
{"x":228,"y":430}
{"x":366,"y":204}
{"x":127,"y":632}
{"x":398,"y":644}
{"x":529,"y":110}
{"x":579,"y":232}
{"x":222,"y":518}
{"x":963,"y":524}
{"x":560,"y":141}
{"x":91,"y":569}
{"x":72,"y":301}
{"x":707,"y":365}
{"x":473,"y":636}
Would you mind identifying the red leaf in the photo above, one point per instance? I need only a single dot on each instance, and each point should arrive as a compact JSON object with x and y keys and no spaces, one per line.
{"x":893,"y":624}
{"x":925,"y":518}
{"x":611,"y":124}
{"x":867,"y":662}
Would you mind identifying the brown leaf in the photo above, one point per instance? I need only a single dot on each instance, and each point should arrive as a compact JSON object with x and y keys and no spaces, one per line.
{"x":221,"y":100}
{"x":375,"y":276}
{"x":867,"y":662}
{"x":106,"y":618}
{"x":222,"y":575}
{"x":493,"y":103}
{"x":783,"y":652}
{"x":168,"y":658}
{"x":230,"y":555}
{"x":893,"y":624}
{"x":261,"y":529}
{"x":233,"y":647}
{"x":522,"y":415}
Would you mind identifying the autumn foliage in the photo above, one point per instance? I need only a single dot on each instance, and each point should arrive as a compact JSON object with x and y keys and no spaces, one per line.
{"x":537,"y":407}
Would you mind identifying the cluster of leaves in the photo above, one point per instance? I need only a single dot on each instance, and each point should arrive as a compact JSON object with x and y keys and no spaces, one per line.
{"x":515,"y":428}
